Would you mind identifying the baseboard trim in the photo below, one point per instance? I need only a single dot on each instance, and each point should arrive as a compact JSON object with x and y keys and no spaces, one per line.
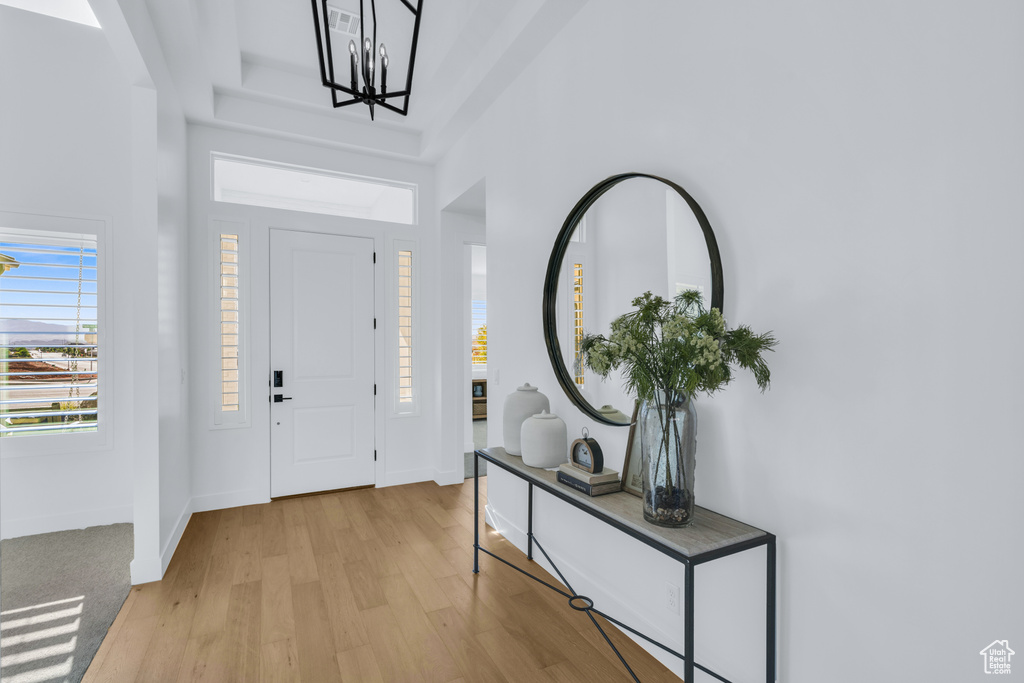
{"x":407,"y":477}
{"x":603,"y":596}
{"x":505,"y":527}
{"x":489,"y":519}
{"x":447,"y":478}
{"x":321,"y":493}
{"x":145,"y":571}
{"x":172,"y":543}
{"x":228,"y":499}
{"x":30,"y":526}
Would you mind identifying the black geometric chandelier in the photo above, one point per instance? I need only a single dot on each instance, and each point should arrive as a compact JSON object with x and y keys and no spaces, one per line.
{"x":359,"y":62}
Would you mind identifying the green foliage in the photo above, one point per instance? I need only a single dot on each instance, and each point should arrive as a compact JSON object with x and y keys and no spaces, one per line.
{"x":676,"y":347}
{"x":21,"y":352}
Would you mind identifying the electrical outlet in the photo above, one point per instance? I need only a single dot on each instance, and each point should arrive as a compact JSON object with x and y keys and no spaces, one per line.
{"x":672,"y":597}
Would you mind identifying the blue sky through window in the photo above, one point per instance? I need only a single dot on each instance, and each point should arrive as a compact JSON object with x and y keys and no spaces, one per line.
{"x":44,"y":286}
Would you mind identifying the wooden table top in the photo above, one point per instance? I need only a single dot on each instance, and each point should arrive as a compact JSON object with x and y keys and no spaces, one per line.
{"x":709,"y":532}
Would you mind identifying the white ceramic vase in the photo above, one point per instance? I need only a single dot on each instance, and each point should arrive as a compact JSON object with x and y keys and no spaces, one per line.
{"x":520,"y":405}
{"x":545,"y":441}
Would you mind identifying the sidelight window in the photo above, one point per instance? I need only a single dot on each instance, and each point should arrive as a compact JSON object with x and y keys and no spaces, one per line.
{"x":406,"y":301}
{"x":230,"y":374}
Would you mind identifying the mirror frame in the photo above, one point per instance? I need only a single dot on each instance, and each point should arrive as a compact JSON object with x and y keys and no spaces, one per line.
{"x":555,"y":268}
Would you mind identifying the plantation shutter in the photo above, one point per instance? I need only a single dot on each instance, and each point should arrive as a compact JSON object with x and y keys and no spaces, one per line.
{"x":405,"y":327}
{"x":479,"y":327}
{"x":49,"y":334}
{"x":229,"y":323}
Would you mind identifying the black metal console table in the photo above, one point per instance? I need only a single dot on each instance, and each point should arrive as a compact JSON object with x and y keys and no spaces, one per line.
{"x":710,"y":537}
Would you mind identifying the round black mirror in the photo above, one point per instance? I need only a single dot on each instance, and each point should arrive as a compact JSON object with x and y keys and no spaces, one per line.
{"x":648,"y":234}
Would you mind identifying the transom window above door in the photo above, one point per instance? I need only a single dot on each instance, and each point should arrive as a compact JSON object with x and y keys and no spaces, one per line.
{"x":255,"y":182}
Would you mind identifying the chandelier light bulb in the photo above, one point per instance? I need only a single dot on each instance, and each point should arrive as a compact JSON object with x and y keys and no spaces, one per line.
{"x":384,"y":61}
{"x":383,"y":50}
{"x":352,"y":47}
{"x":367,"y":45}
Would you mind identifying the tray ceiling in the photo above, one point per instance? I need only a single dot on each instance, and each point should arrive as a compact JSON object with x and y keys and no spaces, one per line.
{"x":252,"y":65}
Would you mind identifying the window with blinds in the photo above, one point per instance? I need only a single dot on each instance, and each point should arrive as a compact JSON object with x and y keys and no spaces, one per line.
{"x":49,"y":333}
{"x":230,"y":333}
{"x":479,"y":326}
{"x":577,"y":320}
{"x":406,"y":395}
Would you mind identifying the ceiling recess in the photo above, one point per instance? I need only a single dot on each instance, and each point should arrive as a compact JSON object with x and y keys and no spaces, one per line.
{"x":362,"y":84}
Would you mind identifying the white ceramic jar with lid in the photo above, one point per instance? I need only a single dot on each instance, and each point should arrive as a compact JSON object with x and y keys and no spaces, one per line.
{"x":545,"y":441}
{"x":519,"y":406}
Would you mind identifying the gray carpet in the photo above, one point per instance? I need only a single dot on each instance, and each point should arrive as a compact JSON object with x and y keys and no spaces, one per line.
{"x":479,"y":441}
{"x":469,"y":466}
{"x":60,"y":594}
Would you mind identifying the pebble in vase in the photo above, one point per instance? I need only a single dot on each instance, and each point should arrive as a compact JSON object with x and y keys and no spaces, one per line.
{"x":520,"y":405}
{"x":545,"y":441}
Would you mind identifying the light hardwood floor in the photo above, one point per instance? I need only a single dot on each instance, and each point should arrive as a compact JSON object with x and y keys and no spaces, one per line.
{"x":374,"y":585}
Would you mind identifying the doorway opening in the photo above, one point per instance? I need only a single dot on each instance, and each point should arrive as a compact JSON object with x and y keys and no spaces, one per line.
{"x":467,"y":338}
{"x":478,"y":341}
{"x":475,"y":359}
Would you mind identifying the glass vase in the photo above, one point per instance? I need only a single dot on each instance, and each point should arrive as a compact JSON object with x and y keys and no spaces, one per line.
{"x":668,"y":443}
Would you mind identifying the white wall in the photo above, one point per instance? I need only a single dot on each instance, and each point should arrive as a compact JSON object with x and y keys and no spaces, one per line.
{"x":168,"y":286}
{"x":231,"y":466}
{"x":861,"y":166}
{"x":455,"y":287}
{"x":160,"y":467}
{"x":66,"y":151}
{"x":109,"y":142}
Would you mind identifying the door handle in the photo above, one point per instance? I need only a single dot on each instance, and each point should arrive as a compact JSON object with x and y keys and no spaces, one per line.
{"x":279,"y":397}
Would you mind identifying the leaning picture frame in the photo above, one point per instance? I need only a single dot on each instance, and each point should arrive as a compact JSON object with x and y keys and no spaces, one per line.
{"x":632,"y":466}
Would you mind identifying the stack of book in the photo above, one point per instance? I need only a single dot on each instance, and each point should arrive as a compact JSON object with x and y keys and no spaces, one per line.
{"x":605,"y":481}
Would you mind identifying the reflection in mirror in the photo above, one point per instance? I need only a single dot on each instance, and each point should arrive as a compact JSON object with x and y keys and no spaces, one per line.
{"x":640,"y":235}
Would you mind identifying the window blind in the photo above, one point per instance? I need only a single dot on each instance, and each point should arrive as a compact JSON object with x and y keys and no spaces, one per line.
{"x":405,"y":338}
{"x":479,"y":327}
{"x":229,"y":323}
{"x":49,"y":334}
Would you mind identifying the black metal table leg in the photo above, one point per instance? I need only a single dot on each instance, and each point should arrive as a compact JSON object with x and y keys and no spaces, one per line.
{"x":688,"y":625}
{"x":476,"y":513}
{"x":529,"y":524}
{"x":770,"y":635}
{"x":689,"y":561}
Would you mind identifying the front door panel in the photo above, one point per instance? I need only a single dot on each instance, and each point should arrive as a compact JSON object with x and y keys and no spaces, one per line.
{"x":321,"y":340}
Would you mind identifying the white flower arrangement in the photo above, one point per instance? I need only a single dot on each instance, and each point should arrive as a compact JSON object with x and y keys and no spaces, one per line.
{"x":676,"y":347}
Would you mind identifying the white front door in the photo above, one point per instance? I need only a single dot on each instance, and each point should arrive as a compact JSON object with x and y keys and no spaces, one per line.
{"x":321,"y":343}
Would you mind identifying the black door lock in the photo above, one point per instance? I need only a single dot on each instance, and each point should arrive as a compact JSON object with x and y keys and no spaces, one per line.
{"x":278,"y":378}
{"x":279,"y":397}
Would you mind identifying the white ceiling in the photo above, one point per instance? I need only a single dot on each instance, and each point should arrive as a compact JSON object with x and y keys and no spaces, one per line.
{"x":77,"y":11}
{"x":252,"y":65}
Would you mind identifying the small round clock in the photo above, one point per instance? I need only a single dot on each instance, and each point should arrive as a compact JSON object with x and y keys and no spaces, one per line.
{"x":586,"y":454}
